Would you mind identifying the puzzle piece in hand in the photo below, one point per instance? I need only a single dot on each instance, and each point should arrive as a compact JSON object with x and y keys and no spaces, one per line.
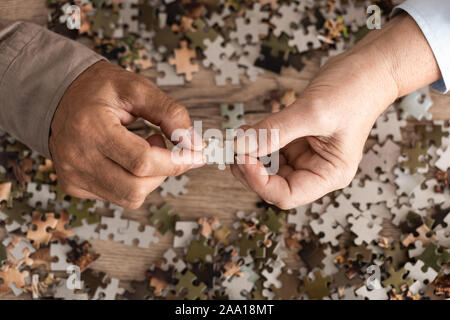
{"x":174,"y":186}
{"x":182,"y":61}
{"x":216,"y":153}
{"x":234,"y":114}
{"x":162,"y":219}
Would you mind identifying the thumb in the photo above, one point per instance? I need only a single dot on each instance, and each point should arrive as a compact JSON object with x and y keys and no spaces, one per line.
{"x":277,"y":130}
{"x":150,"y":103}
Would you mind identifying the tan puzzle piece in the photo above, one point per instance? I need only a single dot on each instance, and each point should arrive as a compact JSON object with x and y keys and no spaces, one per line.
{"x":182,"y":61}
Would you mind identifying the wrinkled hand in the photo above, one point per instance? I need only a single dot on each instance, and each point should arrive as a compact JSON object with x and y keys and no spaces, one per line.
{"x":95,"y":156}
{"x":323,"y":133}
{"x":322,"y":136}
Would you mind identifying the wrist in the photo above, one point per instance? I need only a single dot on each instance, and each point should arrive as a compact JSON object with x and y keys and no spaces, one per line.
{"x":354,"y":83}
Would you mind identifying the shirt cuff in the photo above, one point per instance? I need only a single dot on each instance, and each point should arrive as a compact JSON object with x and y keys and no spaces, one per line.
{"x":36,"y":68}
{"x":432,"y":18}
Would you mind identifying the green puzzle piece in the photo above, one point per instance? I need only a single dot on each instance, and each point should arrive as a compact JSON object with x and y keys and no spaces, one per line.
{"x":162,"y":219}
{"x":199,"y":250}
{"x":186,"y":281}
{"x":273,"y":220}
{"x":78,"y":215}
{"x":254,"y":245}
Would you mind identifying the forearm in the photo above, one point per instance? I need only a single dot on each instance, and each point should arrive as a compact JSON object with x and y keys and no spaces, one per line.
{"x":384,"y":66}
{"x":36,"y":67}
{"x":408,"y":57}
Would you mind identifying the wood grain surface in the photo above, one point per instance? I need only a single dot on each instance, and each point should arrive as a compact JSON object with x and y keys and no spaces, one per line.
{"x":211,"y":192}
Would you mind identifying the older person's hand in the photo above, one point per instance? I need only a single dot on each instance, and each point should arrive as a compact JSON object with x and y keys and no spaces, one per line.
{"x":322,"y":134}
{"x":94,"y":154}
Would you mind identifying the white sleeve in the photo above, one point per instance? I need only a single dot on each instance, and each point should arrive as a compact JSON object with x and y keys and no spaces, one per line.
{"x":433,"y":18}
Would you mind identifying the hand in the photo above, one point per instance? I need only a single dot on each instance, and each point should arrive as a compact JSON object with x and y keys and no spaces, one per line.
{"x":95,"y":156}
{"x":323,"y":133}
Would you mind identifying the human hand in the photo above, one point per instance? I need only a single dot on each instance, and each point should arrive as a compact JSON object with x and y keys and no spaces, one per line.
{"x":96,"y":157}
{"x":321,"y":139}
{"x":322,"y":134}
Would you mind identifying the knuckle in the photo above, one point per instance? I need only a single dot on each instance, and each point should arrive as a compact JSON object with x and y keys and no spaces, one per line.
{"x":140,"y":165}
{"x":272,"y":123}
{"x":344,"y":177}
{"x":131,"y":204}
{"x":82,"y":121}
{"x":175,"y":110}
{"x":284,"y":204}
{"x":176,"y":170}
{"x":136,"y":194}
{"x":317,"y":114}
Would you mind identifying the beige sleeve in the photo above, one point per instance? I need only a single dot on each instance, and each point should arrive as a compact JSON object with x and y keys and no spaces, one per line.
{"x":36,"y":68}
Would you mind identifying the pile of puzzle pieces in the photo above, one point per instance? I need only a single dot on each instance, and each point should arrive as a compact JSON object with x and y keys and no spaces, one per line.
{"x":233,"y":38}
{"x":402,"y":182}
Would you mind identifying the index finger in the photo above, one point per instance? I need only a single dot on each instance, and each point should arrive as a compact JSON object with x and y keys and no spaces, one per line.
{"x":298,"y":188}
{"x":140,"y":158}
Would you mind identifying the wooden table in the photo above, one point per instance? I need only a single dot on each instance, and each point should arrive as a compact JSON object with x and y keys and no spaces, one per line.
{"x":211,"y":192}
